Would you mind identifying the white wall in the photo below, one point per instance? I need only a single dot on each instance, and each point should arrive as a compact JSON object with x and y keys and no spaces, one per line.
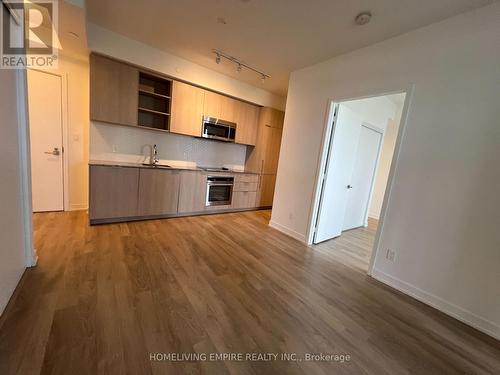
{"x":123,"y":48}
{"x":442,"y":218}
{"x":12,"y":256}
{"x":123,"y":143}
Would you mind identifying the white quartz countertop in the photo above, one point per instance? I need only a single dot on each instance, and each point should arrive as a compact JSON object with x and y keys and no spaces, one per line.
{"x":114,"y":163}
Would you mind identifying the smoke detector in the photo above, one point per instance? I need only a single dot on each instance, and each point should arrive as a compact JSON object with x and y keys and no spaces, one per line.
{"x":363,"y":18}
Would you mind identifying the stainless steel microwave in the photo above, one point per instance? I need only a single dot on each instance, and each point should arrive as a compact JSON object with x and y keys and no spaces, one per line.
{"x":221,"y":130}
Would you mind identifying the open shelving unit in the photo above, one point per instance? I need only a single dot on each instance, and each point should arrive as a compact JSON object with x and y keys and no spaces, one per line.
{"x":154,"y":101}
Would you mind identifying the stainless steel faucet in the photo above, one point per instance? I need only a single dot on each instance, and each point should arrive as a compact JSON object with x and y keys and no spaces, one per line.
{"x":154,"y":159}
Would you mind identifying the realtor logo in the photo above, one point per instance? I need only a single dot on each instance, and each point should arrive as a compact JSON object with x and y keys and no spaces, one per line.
{"x":29,"y":34}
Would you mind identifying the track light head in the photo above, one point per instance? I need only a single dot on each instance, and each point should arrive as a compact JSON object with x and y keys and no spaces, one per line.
{"x":263,"y":78}
{"x":217,"y":58}
{"x":238,"y":68}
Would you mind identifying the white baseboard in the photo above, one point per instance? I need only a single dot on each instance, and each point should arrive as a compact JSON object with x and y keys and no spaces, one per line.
{"x":457,"y":312}
{"x":289,"y":232}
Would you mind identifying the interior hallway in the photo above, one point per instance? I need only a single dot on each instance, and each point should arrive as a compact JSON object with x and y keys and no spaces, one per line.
{"x":353,"y":248}
{"x":103,"y":297}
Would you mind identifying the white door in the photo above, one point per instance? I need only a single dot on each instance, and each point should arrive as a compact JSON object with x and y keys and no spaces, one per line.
{"x":45,"y":118}
{"x":363,"y":178}
{"x":342,"y":153}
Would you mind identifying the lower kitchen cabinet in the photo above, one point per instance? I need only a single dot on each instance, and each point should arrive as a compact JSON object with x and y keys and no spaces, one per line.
{"x":125,"y":193}
{"x":243,"y":199}
{"x":113,"y":192}
{"x":192,"y":192}
{"x":265,"y":191}
{"x":158,"y":192}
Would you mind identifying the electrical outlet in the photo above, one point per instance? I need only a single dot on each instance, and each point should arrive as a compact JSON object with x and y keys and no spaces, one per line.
{"x":390,"y":255}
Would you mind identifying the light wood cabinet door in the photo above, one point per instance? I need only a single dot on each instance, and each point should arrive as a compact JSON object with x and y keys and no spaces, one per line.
{"x":243,"y":199}
{"x":187,"y":109}
{"x":113,"y":91}
{"x":230,"y":109}
{"x":113,"y":192}
{"x":192,"y":192}
{"x":265,"y":192}
{"x":212,"y":105}
{"x":272,"y":117}
{"x":272,"y":150}
{"x":158,"y":192}
{"x":247,"y":124}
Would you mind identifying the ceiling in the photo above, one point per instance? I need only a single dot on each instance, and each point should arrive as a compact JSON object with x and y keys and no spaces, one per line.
{"x":276,"y":36}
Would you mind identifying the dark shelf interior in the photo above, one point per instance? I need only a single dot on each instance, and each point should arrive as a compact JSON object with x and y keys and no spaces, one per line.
{"x":154,"y":101}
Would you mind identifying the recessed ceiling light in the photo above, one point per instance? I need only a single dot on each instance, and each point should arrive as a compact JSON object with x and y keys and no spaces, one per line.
{"x":74,"y":35}
{"x":363,"y":18}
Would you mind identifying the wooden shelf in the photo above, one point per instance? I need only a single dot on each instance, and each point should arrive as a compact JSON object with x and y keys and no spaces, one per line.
{"x":155,"y":112}
{"x":153,"y":94}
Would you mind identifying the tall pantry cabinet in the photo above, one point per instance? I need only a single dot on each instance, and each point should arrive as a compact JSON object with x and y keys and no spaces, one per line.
{"x":263,"y":158}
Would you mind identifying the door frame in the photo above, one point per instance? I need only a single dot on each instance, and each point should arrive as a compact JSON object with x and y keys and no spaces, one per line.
{"x":322,"y":162}
{"x":64,"y":132}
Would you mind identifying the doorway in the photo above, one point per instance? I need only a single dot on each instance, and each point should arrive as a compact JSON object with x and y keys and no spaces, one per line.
{"x":357,"y":158}
{"x":46,"y":140}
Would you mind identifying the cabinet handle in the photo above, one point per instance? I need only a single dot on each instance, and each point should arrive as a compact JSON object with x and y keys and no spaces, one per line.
{"x":260,"y":181}
{"x":262,"y":166}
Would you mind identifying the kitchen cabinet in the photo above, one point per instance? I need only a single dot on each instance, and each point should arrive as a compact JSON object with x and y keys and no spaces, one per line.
{"x":212,"y":105}
{"x":265,"y":192}
{"x":158,"y":192}
{"x":192,"y":192}
{"x":247,"y":123}
{"x":113,"y":91}
{"x":221,"y":106}
{"x":243,"y":199}
{"x":113,"y":192}
{"x":187,"y":109}
{"x":263,"y":158}
{"x":229,"y":108}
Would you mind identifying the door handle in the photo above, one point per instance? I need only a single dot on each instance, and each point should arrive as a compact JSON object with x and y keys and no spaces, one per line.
{"x":349,"y":186}
{"x":54,"y":152}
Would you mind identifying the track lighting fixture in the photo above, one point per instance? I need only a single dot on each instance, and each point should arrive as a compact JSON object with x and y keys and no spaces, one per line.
{"x":239,"y":64}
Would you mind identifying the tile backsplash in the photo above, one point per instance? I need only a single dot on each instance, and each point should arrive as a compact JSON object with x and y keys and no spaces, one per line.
{"x":122,"y":143}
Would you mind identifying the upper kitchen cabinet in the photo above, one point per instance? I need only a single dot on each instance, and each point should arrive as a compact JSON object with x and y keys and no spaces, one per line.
{"x":212,"y":105}
{"x":247,"y":123}
{"x":113,"y":91}
{"x":221,"y":106}
{"x":155,"y":93}
{"x":187,"y":109}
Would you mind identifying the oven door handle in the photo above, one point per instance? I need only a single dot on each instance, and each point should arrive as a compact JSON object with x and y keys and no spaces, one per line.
{"x":218,"y":184}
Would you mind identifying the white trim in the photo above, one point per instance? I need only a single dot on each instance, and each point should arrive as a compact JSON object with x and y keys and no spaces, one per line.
{"x":327,"y":134}
{"x":30,"y":255}
{"x":465,"y":316}
{"x":390,"y":179}
{"x":289,"y":232}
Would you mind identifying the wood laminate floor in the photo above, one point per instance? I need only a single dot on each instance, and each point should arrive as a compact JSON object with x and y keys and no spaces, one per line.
{"x":353,"y":248}
{"x":103,"y":298}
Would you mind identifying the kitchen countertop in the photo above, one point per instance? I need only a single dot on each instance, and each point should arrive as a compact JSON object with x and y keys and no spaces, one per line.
{"x":109,"y":163}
